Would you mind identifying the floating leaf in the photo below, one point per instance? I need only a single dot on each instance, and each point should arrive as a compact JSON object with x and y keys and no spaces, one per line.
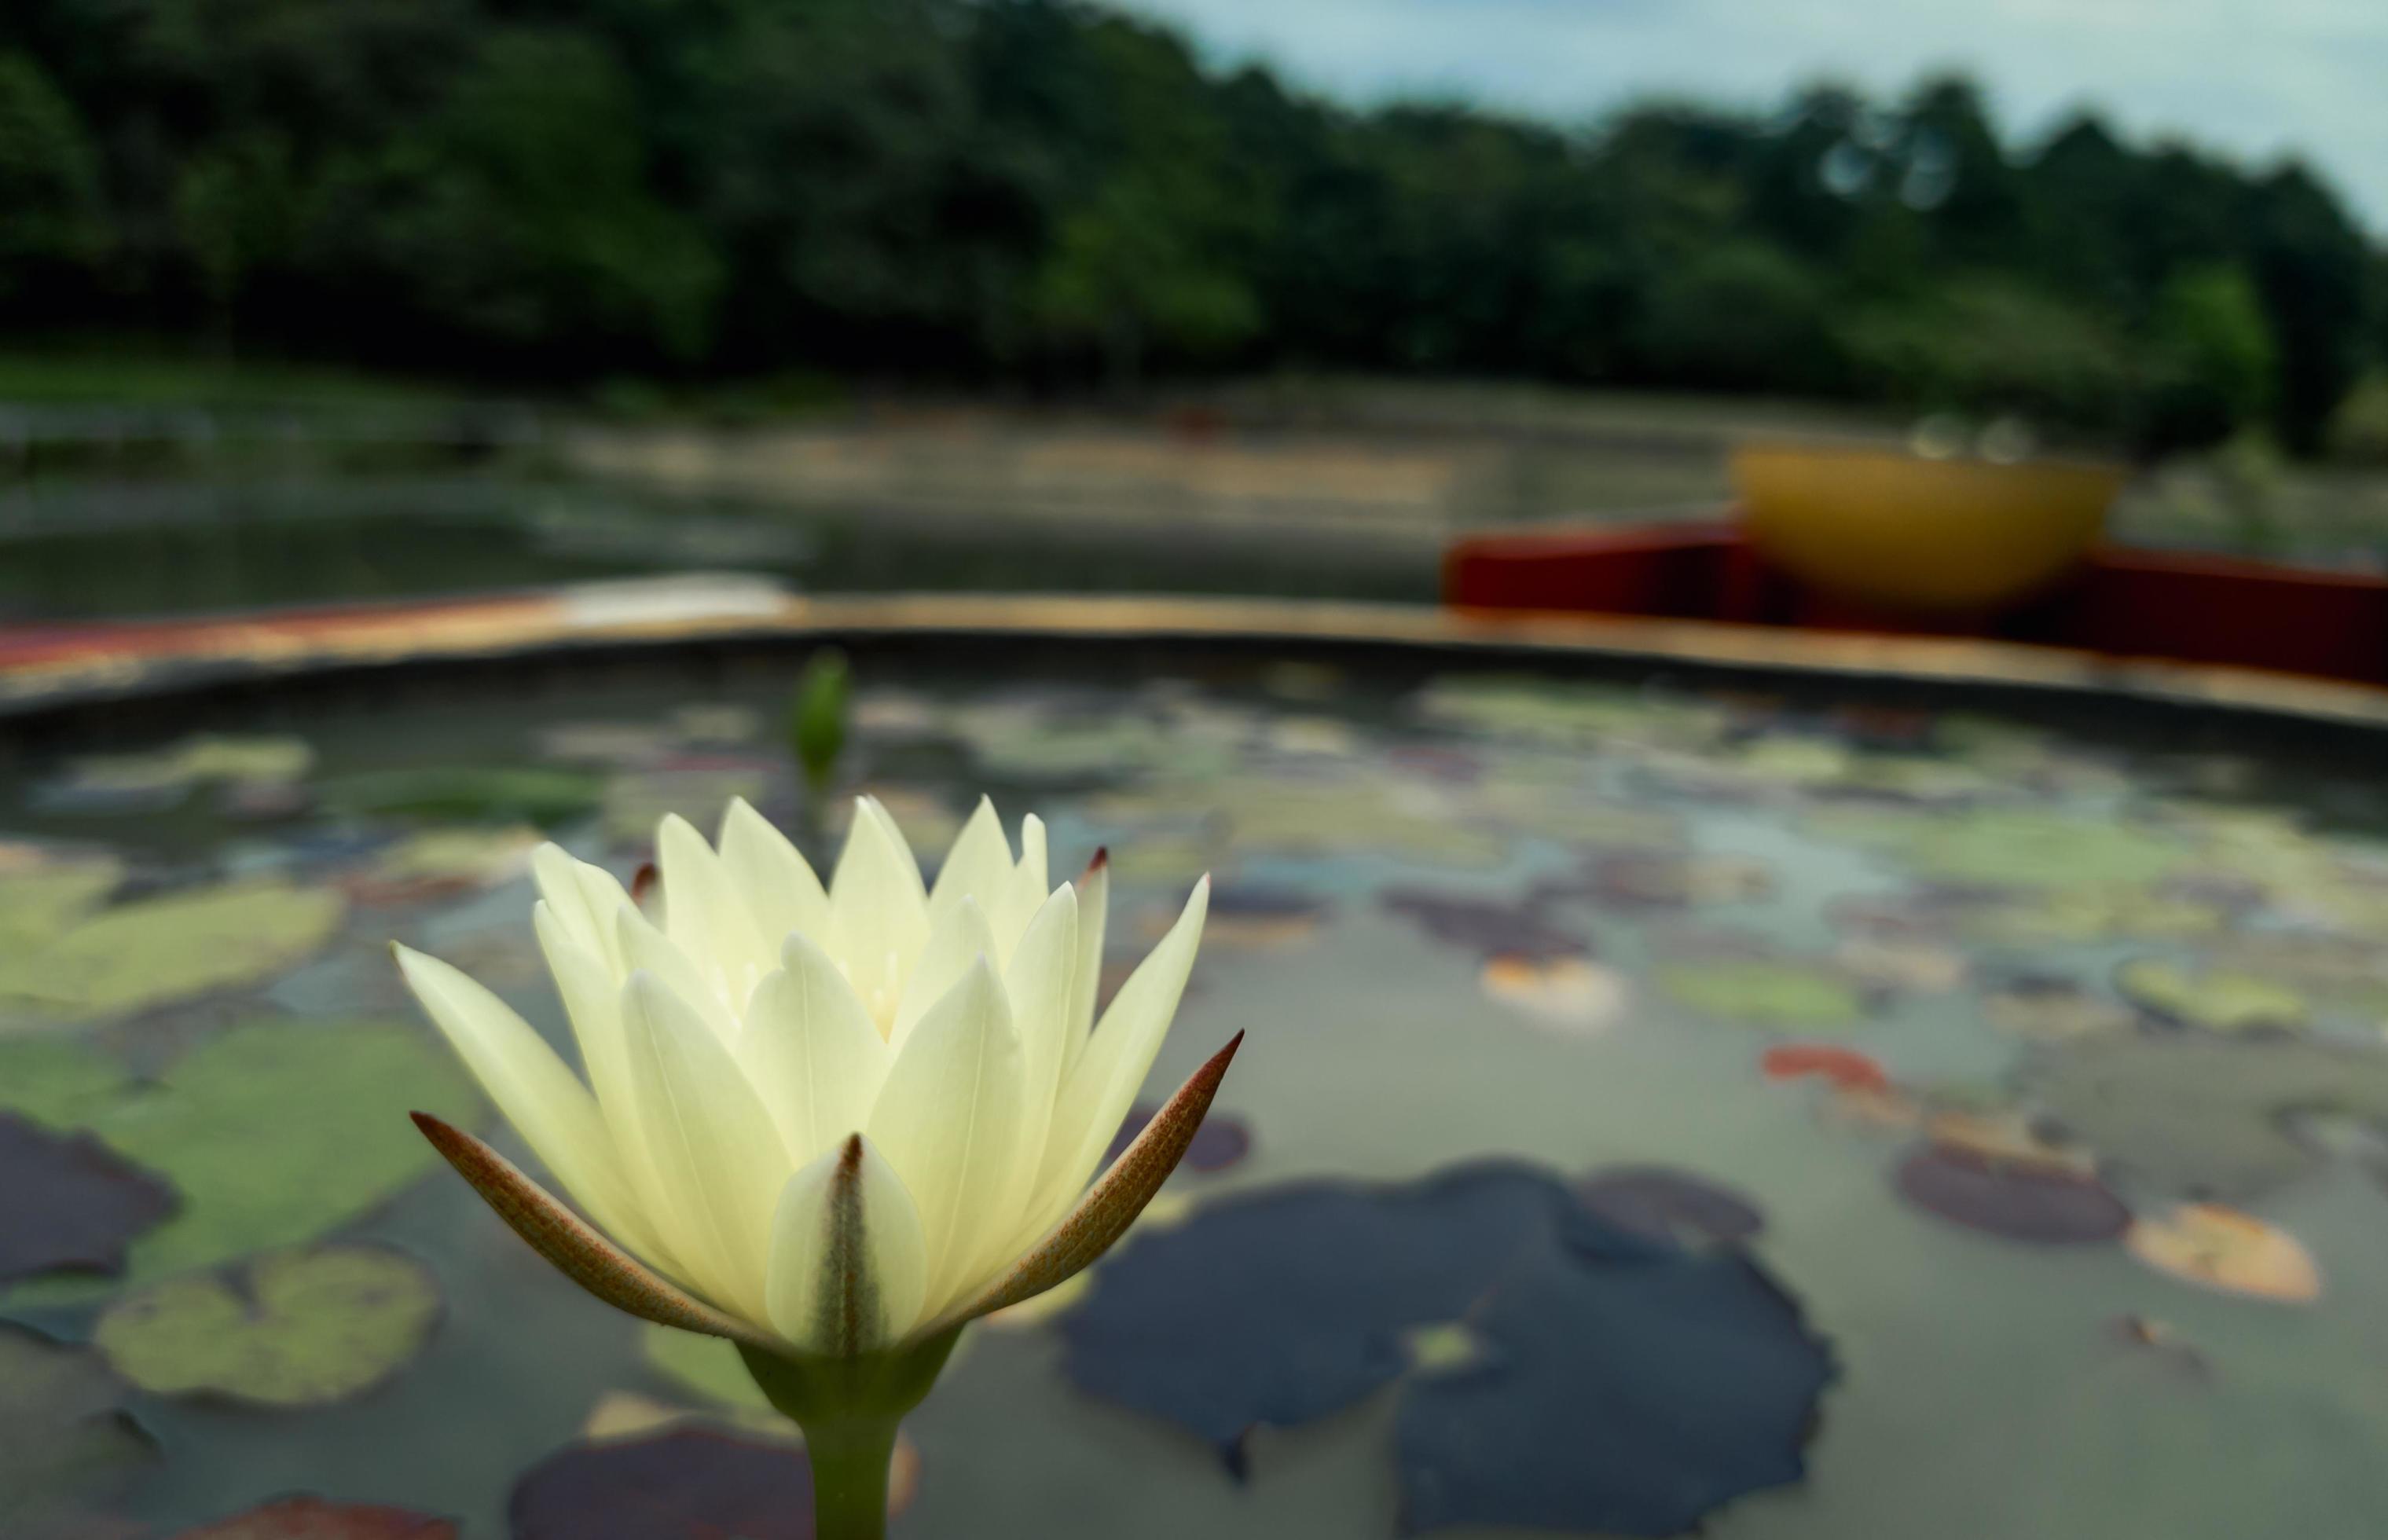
{"x":2006,"y":1139}
{"x":1222,"y":1140}
{"x":1570,"y":716}
{"x":156,"y":950}
{"x":685,"y":1485}
{"x":2008,"y":848}
{"x":1918,"y":966}
{"x":1762,"y":991}
{"x":313,"y":1519}
{"x":635,"y":802}
{"x":2216,"y":1247}
{"x":707,"y":1368}
{"x":2217,"y":1001}
{"x":2055,"y":1010}
{"x":510,"y":795}
{"x":2208,"y":1115}
{"x":2016,"y":1200}
{"x":274,"y":1132}
{"x":1680,"y":1207}
{"x":1493,"y":929}
{"x":303,"y":1328}
{"x":440,"y":862}
{"x":1664,"y":880}
{"x":68,"y":1201}
{"x":1564,"y":992}
{"x":1843,"y":1067}
{"x":1242,"y":916}
{"x":1584,"y":1409}
{"x":44,"y":892}
{"x":62,"y":1434}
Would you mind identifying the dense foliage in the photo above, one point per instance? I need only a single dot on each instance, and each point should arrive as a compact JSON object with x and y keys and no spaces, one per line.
{"x":962,"y":189}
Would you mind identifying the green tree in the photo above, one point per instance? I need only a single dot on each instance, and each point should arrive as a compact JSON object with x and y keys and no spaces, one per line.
{"x":53,"y":223}
{"x":2211,"y":364}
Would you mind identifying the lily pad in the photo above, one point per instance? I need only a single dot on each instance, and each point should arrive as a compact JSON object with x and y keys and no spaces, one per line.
{"x":1641,"y":879}
{"x":706,"y":1368}
{"x":303,"y":1328}
{"x":2015,"y":1200}
{"x":439,"y":863}
{"x":44,"y":892}
{"x":635,"y":802}
{"x":2221,"y":1248}
{"x":313,"y":1519}
{"x":153,"y":951}
{"x":67,"y":1201}
{"x":2055,"y":1010}
{"x":1590,"y":1406}
{"x":1258,"y":917}
{"x":1222,"y":1140}
{"x":2009,"y":849}
{"x":1680,"y":1207}
{"x":1920,"y":967}
{"x":63,"y":1435}
{"x":2208,"y":1115}
{"x":1566,"y":993}
{"x":1480,"y":925}
{"x":2218,"y":1001}
{"x":1844,"y":1068}
{"x":1764,"y":991}
{"x":274,"y":1132}
{"x":684,"y":1485}
{"x":508,"y":794}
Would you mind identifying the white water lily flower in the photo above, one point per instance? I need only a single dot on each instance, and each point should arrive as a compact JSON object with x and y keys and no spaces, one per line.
{"x":825,"y":1123}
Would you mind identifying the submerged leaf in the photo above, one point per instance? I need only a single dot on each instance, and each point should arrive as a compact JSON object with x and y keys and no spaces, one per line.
{"x":62,"y":1434}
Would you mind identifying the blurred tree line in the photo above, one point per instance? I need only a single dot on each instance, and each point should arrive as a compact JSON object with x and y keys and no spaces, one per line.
{"x":963,"y":190}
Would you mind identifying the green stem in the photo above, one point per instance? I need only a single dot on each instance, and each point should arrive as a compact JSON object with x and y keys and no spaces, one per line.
{"x":850,"y":1460}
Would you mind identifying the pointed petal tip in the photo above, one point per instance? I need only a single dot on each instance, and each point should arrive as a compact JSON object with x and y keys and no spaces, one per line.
{"x":1101,"y":861}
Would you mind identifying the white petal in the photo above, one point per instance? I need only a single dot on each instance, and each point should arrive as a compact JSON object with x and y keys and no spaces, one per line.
{"x":538,"y":1094}
{"x":772,"y":876}
{"x":1038,"y":985}
{"x":646,"y":949}
{"x":878,"y":912}
{"x":978,"y":866}
{"x":949,"y":1119}
{"x":559,"y":886}
{"x":715,"y":1149}
{"x":1097,"y":1094}
{"x":849,"y":1268}
{"x":703,"y":915}
{"x":1023,"y":891}
{"x":1094,"y":906}
{"x":593,"y":1003}
{"x":810,"y":1053}
{"x":958,"y":940}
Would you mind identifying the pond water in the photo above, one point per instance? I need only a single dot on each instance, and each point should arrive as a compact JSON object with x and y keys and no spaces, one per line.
{"x":1659,"y":1108}
{"x":113,"y":550}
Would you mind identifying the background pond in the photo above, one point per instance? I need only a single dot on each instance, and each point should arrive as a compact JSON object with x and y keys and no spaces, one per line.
{"x":1659,"y":1108}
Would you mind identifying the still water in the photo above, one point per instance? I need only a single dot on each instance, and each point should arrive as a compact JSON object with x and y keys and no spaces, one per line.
{"x":1659,"y":1109}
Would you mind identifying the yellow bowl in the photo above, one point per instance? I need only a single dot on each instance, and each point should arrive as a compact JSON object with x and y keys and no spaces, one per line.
{"x":1903,"y":532}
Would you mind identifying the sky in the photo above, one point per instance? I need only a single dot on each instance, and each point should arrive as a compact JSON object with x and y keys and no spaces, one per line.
{"x":2252,"y":77}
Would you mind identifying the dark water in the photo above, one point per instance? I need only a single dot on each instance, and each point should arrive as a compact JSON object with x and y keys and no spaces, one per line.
{"x":158,"y":550}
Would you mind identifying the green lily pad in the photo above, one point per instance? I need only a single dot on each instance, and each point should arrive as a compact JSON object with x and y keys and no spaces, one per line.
{"x":153,"y":951}
{"x":313,"y":1519}
{"x":43,"y":894}
{"x":2055,"y":1009}
{"x":2008,"y":848}
{"x":2209,"y":1115}
{"x":544,"y":796}
{"x":706,"y":1368}
{"x":2218,"y":1000}
{"x":1765,"y":991}
{"x":63,"y":1436}
{"x":304,"y":1328}
{"x":1570,"y":716}
{"x":635,"y":801}
{"x":274,"y":1132}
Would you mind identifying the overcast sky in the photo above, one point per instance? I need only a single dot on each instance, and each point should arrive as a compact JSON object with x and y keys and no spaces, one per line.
{"x":2251,"y":77}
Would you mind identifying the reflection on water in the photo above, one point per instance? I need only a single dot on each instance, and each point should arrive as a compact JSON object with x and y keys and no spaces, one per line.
{"x":167,"y":549}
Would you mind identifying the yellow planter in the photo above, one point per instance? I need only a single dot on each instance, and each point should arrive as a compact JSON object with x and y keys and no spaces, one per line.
{"x":1901,"y":531}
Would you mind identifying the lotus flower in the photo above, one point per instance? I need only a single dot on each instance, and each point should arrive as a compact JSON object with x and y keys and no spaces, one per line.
{"x":832,"y":1125}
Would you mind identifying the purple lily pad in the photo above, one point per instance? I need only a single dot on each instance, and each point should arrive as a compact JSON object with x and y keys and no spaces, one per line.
{"x":1601,"y":1348}
{"x":1490,"y":929}
{"x":2016,"y":1200}
{"x":1666,"y":1204}
{"x":1222,"y":1140}
{"x":313,"y":1519}
{"x":687,"y":1485}
{"x":67,"y":1201}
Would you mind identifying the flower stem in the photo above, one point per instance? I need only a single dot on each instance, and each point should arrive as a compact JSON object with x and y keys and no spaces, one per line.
{"x":850,"y":1460}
